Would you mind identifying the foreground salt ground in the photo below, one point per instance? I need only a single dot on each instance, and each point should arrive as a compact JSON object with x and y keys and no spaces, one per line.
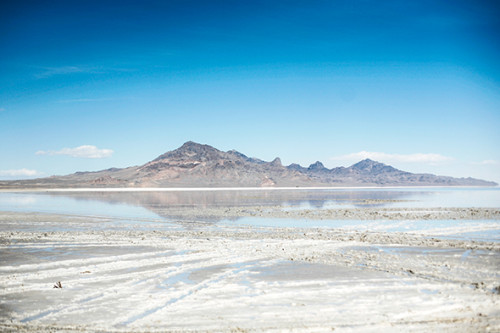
{"x":158,"y":277}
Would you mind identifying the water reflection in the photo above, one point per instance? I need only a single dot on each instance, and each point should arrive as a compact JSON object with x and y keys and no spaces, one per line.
{"x":200,"y":199}
{"x":164,"y":204}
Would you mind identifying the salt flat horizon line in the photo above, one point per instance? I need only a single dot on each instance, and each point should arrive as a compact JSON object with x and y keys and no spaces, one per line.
{"x":209,"y":189}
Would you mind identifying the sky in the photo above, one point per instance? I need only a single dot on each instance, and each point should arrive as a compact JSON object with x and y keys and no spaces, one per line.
{"x":89,"y":85}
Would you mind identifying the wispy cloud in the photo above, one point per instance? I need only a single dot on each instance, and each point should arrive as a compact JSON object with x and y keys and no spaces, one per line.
{"x":83,"y":100}
{"x":19,"y":173}
{"x":52,"y":71}
{"x":385,"y":157}
{"x":47,"y":72}
{"x":85,"y":151}
{"x":487,"y":162}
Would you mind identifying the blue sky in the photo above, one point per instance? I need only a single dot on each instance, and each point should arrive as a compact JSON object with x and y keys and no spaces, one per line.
{"x":88,"y":85}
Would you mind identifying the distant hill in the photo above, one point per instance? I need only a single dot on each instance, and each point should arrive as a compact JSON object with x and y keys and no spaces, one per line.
{"x":199,"y":165}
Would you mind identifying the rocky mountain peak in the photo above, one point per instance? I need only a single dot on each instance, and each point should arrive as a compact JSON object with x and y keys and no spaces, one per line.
{"x":370,"y":166}
{"x":366,"y":164}
{"x":192,"y":151}
{"x":317,"y":166}
{"x":192,"y":146}
{"x":276,"y":162}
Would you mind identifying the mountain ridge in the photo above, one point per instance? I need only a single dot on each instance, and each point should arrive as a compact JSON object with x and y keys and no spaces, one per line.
{"x":201,"y":165}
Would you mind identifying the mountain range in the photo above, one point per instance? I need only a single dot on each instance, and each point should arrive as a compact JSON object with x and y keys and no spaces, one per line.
{"x":200,"y":165}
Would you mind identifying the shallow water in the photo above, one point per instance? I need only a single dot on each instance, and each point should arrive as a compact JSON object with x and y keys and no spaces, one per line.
{"x":128,"y":204}
{"x":132,"y":208}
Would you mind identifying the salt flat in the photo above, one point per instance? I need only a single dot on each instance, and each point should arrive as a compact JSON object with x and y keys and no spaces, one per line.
{"x":220,"y":278}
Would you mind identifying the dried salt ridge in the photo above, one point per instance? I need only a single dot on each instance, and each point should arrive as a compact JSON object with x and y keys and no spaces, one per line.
{"x":152,"y":277}
{"x":335,"y":214}
{"x":199,"y":165}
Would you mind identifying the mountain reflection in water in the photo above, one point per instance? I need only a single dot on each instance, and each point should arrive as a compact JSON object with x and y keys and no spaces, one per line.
{"x":165,"y":203}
